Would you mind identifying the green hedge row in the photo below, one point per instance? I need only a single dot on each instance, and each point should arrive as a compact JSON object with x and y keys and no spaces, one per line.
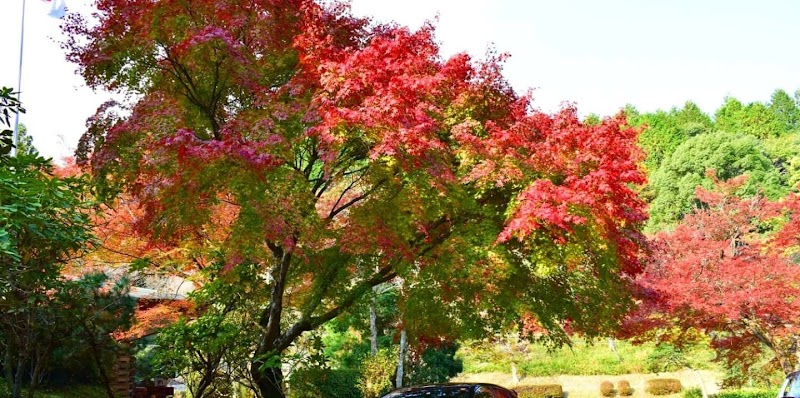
{"x":747,"y":394}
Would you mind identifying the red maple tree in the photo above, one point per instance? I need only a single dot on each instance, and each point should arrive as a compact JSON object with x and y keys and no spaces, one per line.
{"x":345,"y":154}
{"x":727,"y":271}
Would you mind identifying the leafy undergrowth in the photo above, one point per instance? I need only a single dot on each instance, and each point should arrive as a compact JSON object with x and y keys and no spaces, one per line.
{"x":535,"y":360}
{"x":78,"y":391}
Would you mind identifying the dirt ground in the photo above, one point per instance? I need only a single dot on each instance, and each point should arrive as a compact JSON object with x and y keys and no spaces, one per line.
{"x":589,"y":386}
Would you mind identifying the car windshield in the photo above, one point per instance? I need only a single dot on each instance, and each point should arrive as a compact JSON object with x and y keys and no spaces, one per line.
{"x":433,"y":392}
{"x":790,"y":387}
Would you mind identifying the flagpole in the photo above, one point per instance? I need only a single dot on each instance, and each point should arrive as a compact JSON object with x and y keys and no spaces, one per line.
{"x":15,"y":137}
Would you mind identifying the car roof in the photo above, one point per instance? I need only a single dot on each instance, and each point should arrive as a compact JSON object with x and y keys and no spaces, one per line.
{"x":423,"y":387}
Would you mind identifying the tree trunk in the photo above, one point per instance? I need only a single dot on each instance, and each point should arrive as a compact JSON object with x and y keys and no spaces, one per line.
{"x":266,"y":363}
{"x":612,"y":345}
{"x":104,"y":378}
{"x":796,"y":353}
{"x":514,"y":375}
{"x":269,"y":380}
{"x":702,"y":384}
{"x":7,"y":373}
{"x":38,"y":366}
{"x":17,"y":392}
{"x":781,"y":355}
{"x":265,"y":366}
{"x":205,"y":382}
{"x":373,"y":323}
{"x":8,"y":368}
{"x":401,"y":359}
{"x":97,"y":356}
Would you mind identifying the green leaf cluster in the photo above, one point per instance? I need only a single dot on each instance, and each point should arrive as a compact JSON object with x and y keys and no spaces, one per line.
{"x":775,"y":119}
{"x":221,"y":335}
{"x":45,"y":226}
{"x":376,"y":374}
{"x":314,"y":382}
{"x":728,"y":155}
{"x":437,"y":365}
{"x":747,"y":393}
{"x":759,"y":140}
{"x":664,"y":131}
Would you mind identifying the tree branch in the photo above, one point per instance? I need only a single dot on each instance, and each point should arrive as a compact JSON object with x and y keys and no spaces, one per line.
{"x":305,"y":324}
{"x":279,"y":273}
{"x":336,"y":210}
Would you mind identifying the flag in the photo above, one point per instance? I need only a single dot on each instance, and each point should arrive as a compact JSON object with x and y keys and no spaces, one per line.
{"x":58,"y":8}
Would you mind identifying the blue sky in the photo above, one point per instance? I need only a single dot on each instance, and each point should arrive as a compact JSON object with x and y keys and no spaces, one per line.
{"x":600,"y":55}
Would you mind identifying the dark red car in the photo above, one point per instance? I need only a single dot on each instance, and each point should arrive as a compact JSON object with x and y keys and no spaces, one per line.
{"x":453,"y":390}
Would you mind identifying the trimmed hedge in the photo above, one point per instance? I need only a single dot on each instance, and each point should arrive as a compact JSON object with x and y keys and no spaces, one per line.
{"x":750,"y":393}
{"x":624,"y":388}
{"x":540,"y":391}
{"x":663,"y":386}
{"x":607,"y":389}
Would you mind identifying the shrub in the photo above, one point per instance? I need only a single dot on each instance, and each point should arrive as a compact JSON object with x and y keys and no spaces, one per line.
{"x":5,"y":390}
{"x":737,"y":377}
{"x":333,"y":383}
{"x":607,"y":389}
{"x":663,"y":386}
{"x":73,"y":391}
{"x":624,"y":388}
{"x":665,"y":358}
{"x":540,"y":391}
{"x":436,"y":365}
{"x":694,"y":392}
{"x":749,"y":393}
{"x":376,"y":374}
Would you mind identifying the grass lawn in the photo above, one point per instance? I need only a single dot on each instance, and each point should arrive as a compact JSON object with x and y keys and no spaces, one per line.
{"x":583,"y":358}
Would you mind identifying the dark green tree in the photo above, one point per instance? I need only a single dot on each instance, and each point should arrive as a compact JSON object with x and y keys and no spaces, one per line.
{"x":786,"y":111}
{"x":785,"y":154}
{"x":664,"y":131}
{"x":729,"y":155}
{"x":755,"y":119}
{"x":44,"y":225}
{"x":25,"y":142}
{"x":93,"y":307}
{"x":10,"y":106}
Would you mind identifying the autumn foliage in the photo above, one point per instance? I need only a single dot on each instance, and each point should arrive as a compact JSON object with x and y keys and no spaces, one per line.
{"x":727,"y":271}
{"x":337,"y":154}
